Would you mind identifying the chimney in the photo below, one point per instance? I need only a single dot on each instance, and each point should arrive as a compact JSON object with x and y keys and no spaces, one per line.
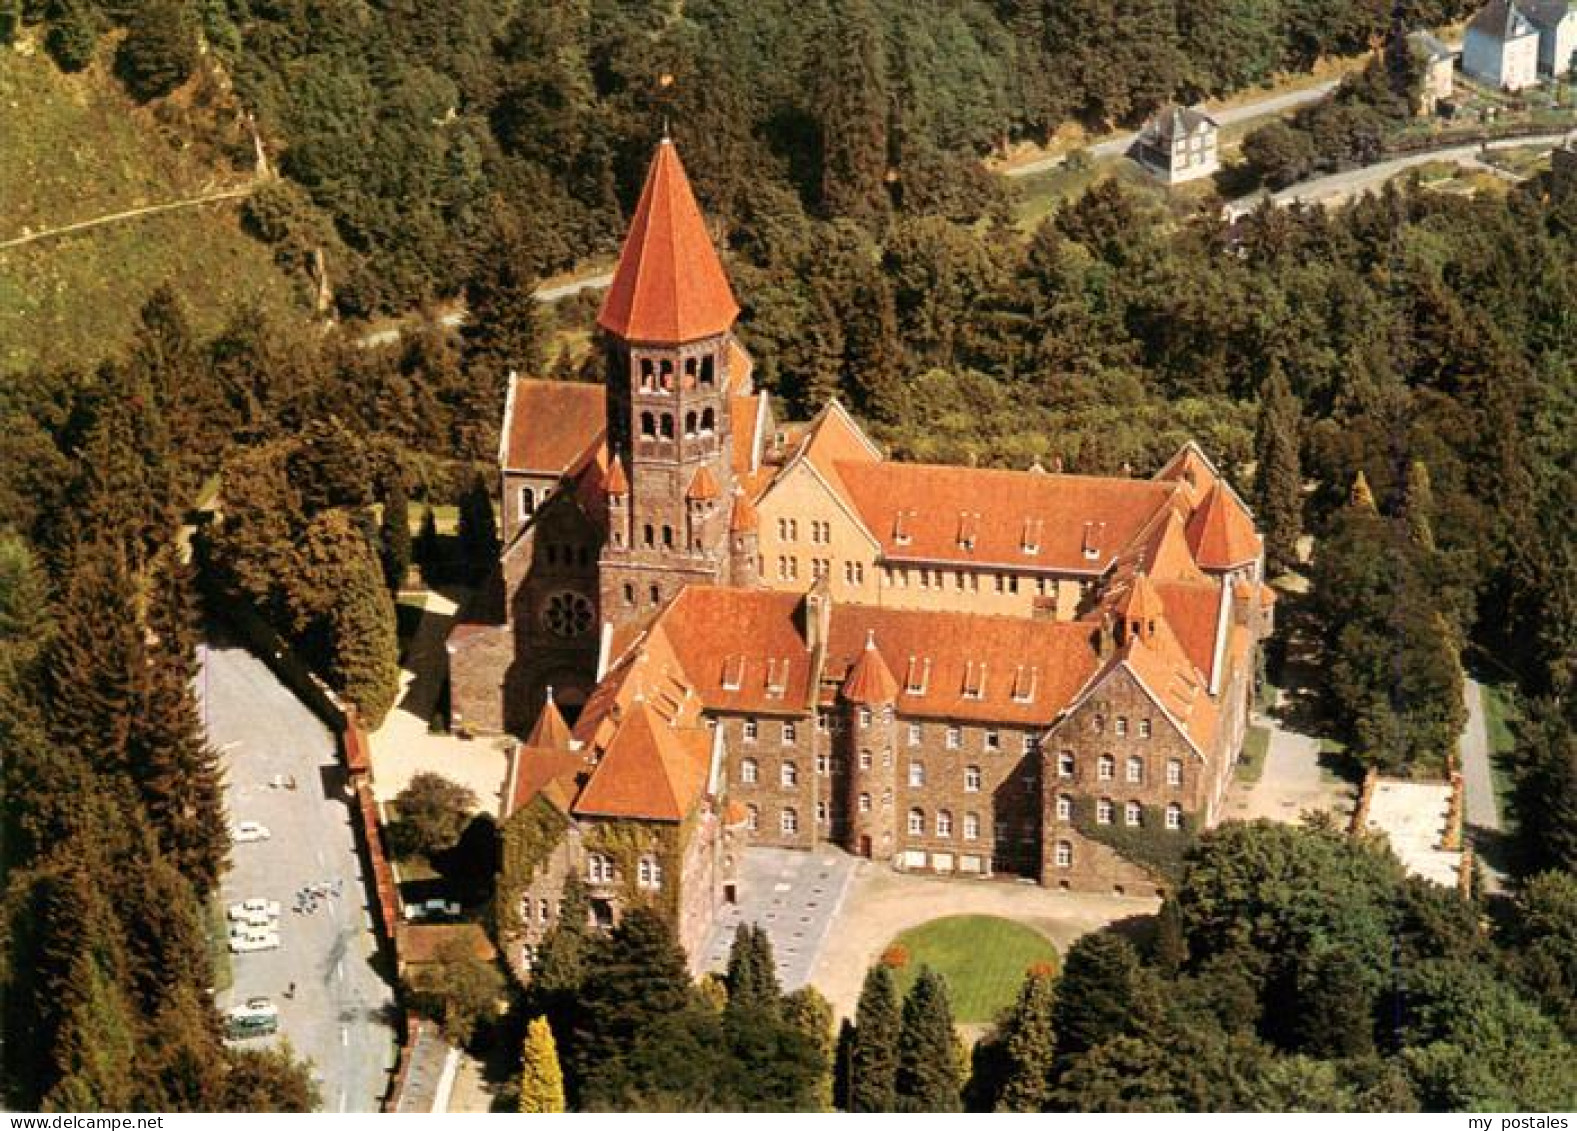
{"x":818,"y":615}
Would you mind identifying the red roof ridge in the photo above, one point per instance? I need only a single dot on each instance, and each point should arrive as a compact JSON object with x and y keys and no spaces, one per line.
{"x":1220,"y":532}
{"x":703,"y":486}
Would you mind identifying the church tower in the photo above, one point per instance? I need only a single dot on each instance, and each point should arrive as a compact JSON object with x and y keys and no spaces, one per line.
{"x":666,"y":321}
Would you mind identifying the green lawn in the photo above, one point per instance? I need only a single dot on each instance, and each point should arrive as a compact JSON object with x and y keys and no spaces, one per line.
{"x":1256,"y":744}
{"x":217,"y":929}
{"x":982,"y":957}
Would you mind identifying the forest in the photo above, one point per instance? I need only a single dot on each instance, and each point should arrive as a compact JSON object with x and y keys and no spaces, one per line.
{"x":1394,"y":378}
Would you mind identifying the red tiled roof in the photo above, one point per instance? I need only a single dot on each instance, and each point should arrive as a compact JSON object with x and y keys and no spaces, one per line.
{"x":833,"y":439}
{"x":1190,"y":468}
{"x":927,"y":512}
{"x":1166,"y":553}
{"x":616,"y":483}
{"x":550,"y":770}
{"x":744,"y":519}
{"x":553,"y":425}
{"x":1158,"y":661}
{"x":968,"y":666}
{"x":703,"y":485}
{"x":870,"y":680}
{"x":650,"y":769}
{"x":1193,"y":610}
{"x":1220,"y":533}
{"x":669,"y":285}
{"x":744,"y":649}
{"x":550,"y":731}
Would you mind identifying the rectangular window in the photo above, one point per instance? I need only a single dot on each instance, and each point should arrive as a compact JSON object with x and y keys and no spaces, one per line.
{"x":915,"y":732}
{"x":1121,"y":729}
{"x":1144,"y":728}
{"x":916,"y":775}
{"x":790,"y":734}
{"x":955,"y":738}
{"x":750,"y":730}
{"x":993,"y":740}
{"x":1174,"y":772}
{"x":823,"y":765}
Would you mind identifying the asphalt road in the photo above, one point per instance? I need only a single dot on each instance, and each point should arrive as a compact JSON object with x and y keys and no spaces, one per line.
{"x":339,"y":1017}
{"x":1343,"y":186}
{"x":1117,"y":144}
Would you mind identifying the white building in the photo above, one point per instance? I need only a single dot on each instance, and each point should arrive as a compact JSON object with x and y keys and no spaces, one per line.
{"x":1178,"y":145}
{"x":1502,"y":46}
{"x":1556,"y":21}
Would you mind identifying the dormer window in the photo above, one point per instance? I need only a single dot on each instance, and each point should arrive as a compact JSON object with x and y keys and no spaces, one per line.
{"x":901,"y":527}
{"x":733,"y":673}
{"x":968,"y":529}
{"x":974,"y":680}
{"x":777,"y":677}
{"x":1030,"y":543}
{"x":1024,"y":684}
{"x":1092,"y":539}
{"x":918,"y":677}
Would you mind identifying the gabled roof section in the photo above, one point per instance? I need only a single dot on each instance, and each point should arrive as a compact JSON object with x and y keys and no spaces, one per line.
{"x":1008,"y":670}
{"x":990,"y":517}
{"x":650,"y":770}
{"x":742,"y":649}
{"x":1178,"y":121}
{"x":1166,"y":553}
{"x":1193,"y":469}
{"x":616,"y":482}
{"x":553,"y":426}
{"x":703,"y":486}
{"x":870,"y":679}
{"x":550,"y":772}
{"x":669,"y":285}
{"x":1502,"y":20}
{"x":1193,"y":611}
{"x":1221,"y":534}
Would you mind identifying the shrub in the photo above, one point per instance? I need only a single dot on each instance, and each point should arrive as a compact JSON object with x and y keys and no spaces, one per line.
{"x":159,"y":52}
{"x":895,"y":957}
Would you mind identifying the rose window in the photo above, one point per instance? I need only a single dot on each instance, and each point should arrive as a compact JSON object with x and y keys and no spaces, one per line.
{"x":568,"y":614}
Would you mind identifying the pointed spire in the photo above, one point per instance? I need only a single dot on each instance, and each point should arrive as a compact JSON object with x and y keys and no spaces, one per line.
{"x":870,"y":679}
{"x":703,"y":486}
{"x":551,"y":732}
{"x":744,"y":519}
{"x":617,"y":483}
{"x":1220,"y":533}
{"x":1140,"y":608}
{"x":669,"y":286}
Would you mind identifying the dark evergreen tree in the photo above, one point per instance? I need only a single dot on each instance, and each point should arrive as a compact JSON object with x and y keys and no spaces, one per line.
{"x":159,"y":52}
{"x":478,"y":529}
{"x":503,"y":326}
{"x":752,"y":977}
{"x":1546,"y":794}
{"x":394,"y":533}
{"x":1278,"y":476}
{"x":873,"y":1052}
{"x":1169,"y":951}
{"x":364,"y":660}
{"x":1104,"y":993}
{"x":176,"y":771}
{"x":73,"y":34}
{"x":854,"y":114}
{"x":929,"y":1073}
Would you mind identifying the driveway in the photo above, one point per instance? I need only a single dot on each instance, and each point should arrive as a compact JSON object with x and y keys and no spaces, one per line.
{"x":339,"y":1016}
{"x":880,"y":903}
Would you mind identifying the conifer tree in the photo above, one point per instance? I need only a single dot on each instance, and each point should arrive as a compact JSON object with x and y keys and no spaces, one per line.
{"x":807,"y":1011}
{"x":873,"y":1055}
{"x":1029,"y":1046}
{"x":364,"y":664}
{"x":394,"y":533}
{"x":159,"y":52}
{"x":560,"y":968}
{"x":1418,"y":504}
{"x":176,"y":770}
{"x":854,"y":108}
{"x":1278,"y":479}
{"x":929,"y":1077}
{"x":752,"y":976}
{"x":478,"y":529}
{"x":1103,"y":993}
{"x":97,"y":1046}
{"x":1170,"y":949}
{"x":503,"y":325}
{"x":541,"y":1080}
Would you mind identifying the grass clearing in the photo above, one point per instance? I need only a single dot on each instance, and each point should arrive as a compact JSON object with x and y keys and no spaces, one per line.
{"x":983,"y":958}
{"x":1041,"y":194}
{"x":218,"y":936}
{"x":1256,"y":744}
{"x":1500,"y":713}
{"x":75,"y":148}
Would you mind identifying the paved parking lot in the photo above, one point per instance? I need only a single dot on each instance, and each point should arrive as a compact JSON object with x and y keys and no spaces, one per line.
{"x":339,"y":1015}
{"x":795,"y":896}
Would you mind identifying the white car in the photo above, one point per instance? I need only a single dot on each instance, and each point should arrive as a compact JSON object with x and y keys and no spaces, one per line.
{"x":248,"y":831}
{"x":257,"y":912}
{"x":255,"y":1009}
{"x":253,"y":938}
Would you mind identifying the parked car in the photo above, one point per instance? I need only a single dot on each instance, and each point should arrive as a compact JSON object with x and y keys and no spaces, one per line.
{"x":253,"y":938}
{"x":248,"y":831}
{"x":257,"y":1018}
{"x":259,"y":912}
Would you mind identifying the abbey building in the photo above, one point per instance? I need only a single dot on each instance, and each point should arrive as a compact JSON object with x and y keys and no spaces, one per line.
{"x":712,"y":630}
